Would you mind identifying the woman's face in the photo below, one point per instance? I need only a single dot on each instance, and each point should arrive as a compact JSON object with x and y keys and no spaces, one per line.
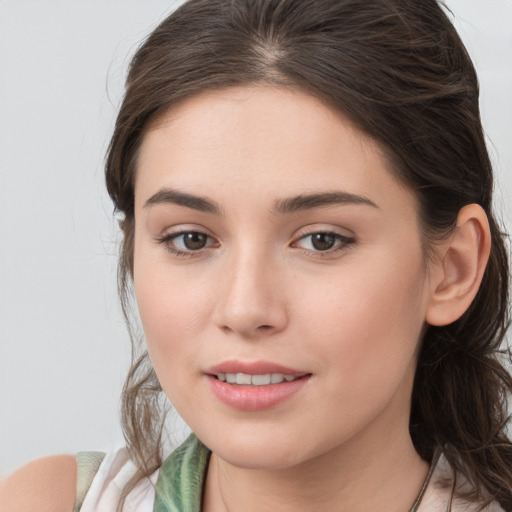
{"x":274,"y":246}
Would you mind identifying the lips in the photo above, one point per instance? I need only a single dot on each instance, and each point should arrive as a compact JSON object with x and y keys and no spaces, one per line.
{"x":253,"y":368}
{"x":254,"y":386}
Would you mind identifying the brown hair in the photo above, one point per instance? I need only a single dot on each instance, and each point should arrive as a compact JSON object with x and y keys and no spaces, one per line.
{"x":400,"y":72}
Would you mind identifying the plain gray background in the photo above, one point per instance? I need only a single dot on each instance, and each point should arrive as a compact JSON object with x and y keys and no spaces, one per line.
{"x":63,"y":346}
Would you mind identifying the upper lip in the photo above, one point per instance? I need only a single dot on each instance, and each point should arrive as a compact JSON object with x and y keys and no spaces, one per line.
{"x":253,"y":368}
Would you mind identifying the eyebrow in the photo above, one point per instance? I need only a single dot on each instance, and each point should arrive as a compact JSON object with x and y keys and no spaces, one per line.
{"x":285,"y":206}
{"x":171,"y":196}
{"x":318,"y":200}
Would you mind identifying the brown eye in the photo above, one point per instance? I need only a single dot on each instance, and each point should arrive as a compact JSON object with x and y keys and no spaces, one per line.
{"x":187,"y":243}
{"x":323,"y":241}
{"x":194,"y":241}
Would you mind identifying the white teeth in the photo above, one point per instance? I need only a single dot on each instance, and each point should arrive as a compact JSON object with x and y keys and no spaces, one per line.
{"x":243,"y":378}
{"x":254,"y":380}
{"x":261,"y":380}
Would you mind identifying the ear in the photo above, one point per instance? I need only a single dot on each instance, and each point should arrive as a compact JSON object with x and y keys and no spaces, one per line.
{"x":463,"y":258}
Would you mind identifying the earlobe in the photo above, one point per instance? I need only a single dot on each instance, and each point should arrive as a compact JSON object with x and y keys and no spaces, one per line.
{"x":463,"y":260}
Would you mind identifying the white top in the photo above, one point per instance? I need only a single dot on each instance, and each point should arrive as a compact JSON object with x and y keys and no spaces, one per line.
{"x":438,"y":495}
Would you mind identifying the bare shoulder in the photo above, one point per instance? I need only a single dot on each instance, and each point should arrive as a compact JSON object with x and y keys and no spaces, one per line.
{"x":45,"y":485}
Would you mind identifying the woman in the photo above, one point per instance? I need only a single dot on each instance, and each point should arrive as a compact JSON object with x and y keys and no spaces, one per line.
{"x":308,"y":226}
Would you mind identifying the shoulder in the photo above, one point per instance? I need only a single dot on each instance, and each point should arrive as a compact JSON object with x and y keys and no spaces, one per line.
{"x":46,"y":485}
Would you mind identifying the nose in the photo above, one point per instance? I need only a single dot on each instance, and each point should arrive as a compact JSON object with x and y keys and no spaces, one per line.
{"x":251,"y":298}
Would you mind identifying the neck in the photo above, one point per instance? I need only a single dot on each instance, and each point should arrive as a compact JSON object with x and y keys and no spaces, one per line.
{"x":368,"y":472}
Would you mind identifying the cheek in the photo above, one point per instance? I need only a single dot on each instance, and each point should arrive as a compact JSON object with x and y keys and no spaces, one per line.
{"x":172,"y":319}
{"x":173,"y":307}
{"x":363,"y":331}
{"x":368,"y":321}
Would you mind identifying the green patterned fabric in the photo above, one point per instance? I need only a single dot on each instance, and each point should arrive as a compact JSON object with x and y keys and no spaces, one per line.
{"x":180,"y":483}
{"x":87,"y":465}
{"x":181,"y":480}
{"x":178,"y":486}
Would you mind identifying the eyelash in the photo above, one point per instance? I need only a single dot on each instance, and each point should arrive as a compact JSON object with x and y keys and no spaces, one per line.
{"x":167,"y":241}
{"x":341,"y":243}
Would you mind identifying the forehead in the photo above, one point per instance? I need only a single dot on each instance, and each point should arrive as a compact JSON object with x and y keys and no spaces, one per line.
{"x":260,"y":140}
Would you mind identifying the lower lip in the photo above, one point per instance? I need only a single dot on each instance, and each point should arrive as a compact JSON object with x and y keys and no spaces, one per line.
{"x":255,"y":398}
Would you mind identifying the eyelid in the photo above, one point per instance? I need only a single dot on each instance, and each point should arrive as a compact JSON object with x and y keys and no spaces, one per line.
{"x":170,"y":235}
{"x":182,"y":229}
{"x":343,"y":240}
{"x":319,"y":228}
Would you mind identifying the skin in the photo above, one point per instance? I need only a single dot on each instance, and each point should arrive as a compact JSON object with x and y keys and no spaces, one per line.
{"x":46,"y":485}
{"x":259,"y":290}
{"x":351,"y":316}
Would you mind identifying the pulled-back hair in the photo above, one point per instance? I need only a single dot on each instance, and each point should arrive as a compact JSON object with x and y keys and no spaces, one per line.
{"x":399,"y":71}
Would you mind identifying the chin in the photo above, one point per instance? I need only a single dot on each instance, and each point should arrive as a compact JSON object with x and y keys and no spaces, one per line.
{"x":258,"y":459}
{"x":250,"y":451}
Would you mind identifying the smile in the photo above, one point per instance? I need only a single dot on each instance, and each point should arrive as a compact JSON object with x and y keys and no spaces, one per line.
{"x":255,"y":380}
